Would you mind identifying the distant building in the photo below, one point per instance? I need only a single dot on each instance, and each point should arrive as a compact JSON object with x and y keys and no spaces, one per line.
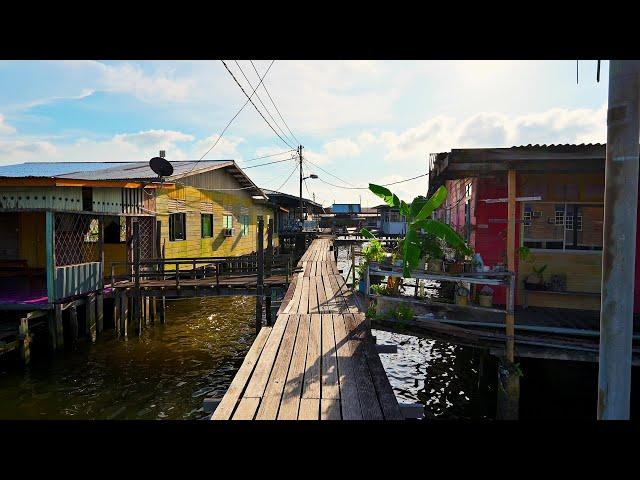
{"x":391,"y":222}
{"x":289,"y":208}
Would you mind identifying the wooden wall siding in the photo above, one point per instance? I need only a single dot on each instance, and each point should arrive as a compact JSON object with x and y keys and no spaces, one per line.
{"x":32,"y":232}
{"x":73,"y":280}
{"x":217,"y":203}
{"x":583,"y":272}
{"x":107,"y":200}
{"x":133,"y":200}
{"x":55,"y":198}
{"x":583,"y":187}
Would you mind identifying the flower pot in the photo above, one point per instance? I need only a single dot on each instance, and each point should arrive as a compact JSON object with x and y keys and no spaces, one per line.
{"x":461,"y":300}
{"x":457,"y":267}
{"x":434,"y":266}
{"x":362,"y":288}
{"x":485,"y":300}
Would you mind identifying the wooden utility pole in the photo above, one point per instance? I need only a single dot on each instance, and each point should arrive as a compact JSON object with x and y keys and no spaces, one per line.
{"x":619,"y":241}
{"x":260,"y":276}
{"x":301,"y":207}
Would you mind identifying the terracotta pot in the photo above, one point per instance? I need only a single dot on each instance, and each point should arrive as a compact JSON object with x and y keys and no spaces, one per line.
{"x":455,"y":267}
{"x":461,"y":300}
{"x":485,"y":300}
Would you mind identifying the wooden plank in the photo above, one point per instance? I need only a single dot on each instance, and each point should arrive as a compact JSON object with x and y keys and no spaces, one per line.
{"x":309,"y":409}
{"x":303,"y":307}
{"x":366,"y":390}
{"x":293,"y":387}
{"x":271,"y":399}
{"x":247,"y":409}
{"x":329,"y":364}
{"x":313,"y":295}
{"x":386,"y":397}
{"x":292,"y":306}
{"x":330,"y":409}
{"x":228,"y":403}
{"x":322,"y":297}
{"x":260,"y":375}
{"x":346,"y":374}
{"x":311,"y":385}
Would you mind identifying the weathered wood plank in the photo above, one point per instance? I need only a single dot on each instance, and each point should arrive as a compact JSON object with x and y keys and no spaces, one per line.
{"x":309,"y":409}
{"x":346,"y":374}
{"x":329,"y":364}
{"x":231,"y":397}
{"x":330,"y":409}
{"x":293,"y":387}
{"x":311,"y":386}
{"x":246,"y":409}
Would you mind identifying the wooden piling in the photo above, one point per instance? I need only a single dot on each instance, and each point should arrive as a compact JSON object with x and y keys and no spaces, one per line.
{"x":90,"y":317}
{"x":24,"y":340}
{"x":137,"y":300}
{"x":117,"y":310}
{"x":51,"y":325}
{"x":59,"y":325}
{"x":124,"y":313}
{"x":152,"y":310}
{"x":163,"y":309}
{"x":99,"y":312}
{"x":73,"y":322}
{"x":267,"y":307}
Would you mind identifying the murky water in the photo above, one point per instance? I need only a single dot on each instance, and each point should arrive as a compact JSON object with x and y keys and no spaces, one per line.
{"x":165,"y":373}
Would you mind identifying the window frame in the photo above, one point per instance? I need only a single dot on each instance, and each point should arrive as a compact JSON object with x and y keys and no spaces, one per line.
{"x":172,"y":228}
{"x":202,"y":233}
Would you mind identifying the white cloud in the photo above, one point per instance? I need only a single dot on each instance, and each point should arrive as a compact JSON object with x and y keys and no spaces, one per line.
{"x":226,"y":148}
{"x":342,"y":147}
{"x":5,"y":128}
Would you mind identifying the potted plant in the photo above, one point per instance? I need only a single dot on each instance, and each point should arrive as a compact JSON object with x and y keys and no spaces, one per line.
{"x":431,"y":252}
{"x":535,"y":280}
{"x":372,"y":254}
{"x":485,"y":297}
{"x":461,"y":295}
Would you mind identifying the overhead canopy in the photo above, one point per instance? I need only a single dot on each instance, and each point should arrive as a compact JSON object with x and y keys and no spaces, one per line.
{"x":292,"y":202}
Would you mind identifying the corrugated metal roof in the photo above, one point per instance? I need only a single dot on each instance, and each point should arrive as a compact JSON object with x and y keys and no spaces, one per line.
{"x":142,"y":171}
{"x":51,"y":169}
{"x":559,"y":147}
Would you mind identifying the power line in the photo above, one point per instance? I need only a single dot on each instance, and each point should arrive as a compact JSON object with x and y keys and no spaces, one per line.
{"x":325,"y":171}
{"x":254,"y":105}
{"x":234,"y":117}
{"x":268,"y":156}
{"x":382,"y":185}
{"x":268,"y":163}
{"x":276,"y":107}
{"x":262,"y":103}
{"x":285,"y":182}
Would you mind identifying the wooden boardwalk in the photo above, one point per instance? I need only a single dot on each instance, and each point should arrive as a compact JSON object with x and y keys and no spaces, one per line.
{"x":318,"y":361}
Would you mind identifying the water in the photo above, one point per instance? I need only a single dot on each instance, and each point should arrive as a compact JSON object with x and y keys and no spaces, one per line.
{"x":164,"y":374}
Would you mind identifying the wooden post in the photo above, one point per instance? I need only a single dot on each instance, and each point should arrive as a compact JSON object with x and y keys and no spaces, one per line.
{"x":90,"y":317}
{"x":73,"y":322}
{"x":117,"y":310}
{"x":51,"y":326}
{"x":137,"y":304}
{"x":51,"y":257}
{"x":59,"y":326}
{"x":267,"y":306}
{"x":124,"y":313}
{"x":353,"y":267}
{"x":24,"y":339}
{"x":99,"y":312}
{"x":152,"y":309}
{"x":508,"y":376}
{"x":270,"y":244}
{"x":163,"y":309}
{"x":260,"y":274}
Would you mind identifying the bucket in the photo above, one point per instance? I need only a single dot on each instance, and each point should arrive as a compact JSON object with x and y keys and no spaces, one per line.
{"x":485,"y":300}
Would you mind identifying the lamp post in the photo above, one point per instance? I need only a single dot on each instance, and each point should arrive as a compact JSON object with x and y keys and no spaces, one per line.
{"x":312,"y":176}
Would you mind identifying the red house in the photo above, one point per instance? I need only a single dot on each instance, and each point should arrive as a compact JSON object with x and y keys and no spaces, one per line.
{"x":558,"y":215}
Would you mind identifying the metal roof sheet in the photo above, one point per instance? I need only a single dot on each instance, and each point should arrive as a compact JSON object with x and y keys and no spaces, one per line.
{"x":51,"y":169}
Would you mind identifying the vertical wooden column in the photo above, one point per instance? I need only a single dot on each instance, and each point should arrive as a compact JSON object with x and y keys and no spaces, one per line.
{"x":270,"y":244}
{"x":73,"y":322}
{"x":163,"y":306}
{"x":260,"y":275}
{"x":51,"y":327}
{"x":117,"y":310}
{"x":50,"y":250}
{"x":99,"y":312}
{"x":508,"y":373}
{"x":124,"y":313}
{"x":137,"y":303}
{"x":25,"y":339}
{"x":59,"y":326}
{"x":90,"y":316}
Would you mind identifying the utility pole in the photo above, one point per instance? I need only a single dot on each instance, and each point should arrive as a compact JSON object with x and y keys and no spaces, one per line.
{"x":301,"y":210}
{"x":619,"y":241}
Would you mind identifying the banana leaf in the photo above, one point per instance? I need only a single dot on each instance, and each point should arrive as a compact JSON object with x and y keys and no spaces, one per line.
{"x":430,"y":205}
{"x":385,"y":194}
{"x":444,"y":231}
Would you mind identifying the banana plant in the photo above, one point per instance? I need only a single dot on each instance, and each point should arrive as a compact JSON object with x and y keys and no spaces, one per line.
{"x":417,"y":214}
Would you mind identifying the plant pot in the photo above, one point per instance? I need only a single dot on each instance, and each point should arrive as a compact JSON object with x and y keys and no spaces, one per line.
{"x":461,"y":300}
{"x":457,"y":267}
{"x":434,"y":266}
{"x":362,"y":288}
{"x":485,"y":300}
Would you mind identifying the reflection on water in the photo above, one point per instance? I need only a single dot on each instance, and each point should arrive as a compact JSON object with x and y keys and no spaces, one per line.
{"x":164,"y":374}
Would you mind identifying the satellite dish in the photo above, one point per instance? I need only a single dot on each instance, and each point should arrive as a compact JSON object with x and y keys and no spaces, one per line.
{"x":161,"y":166}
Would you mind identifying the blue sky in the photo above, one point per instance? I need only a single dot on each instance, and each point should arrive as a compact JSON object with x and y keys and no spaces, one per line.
{"x":364,"y":121}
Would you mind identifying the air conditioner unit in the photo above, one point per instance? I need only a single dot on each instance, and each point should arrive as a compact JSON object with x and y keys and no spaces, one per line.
{"x":227,"y":232}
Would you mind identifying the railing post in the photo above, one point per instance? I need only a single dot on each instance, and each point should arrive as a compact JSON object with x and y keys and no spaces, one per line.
{"x":353,"y":265}
{"x":260,"y":275}
{"x":137,"y":304}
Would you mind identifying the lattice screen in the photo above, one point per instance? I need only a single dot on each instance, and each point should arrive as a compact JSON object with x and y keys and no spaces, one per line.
{"x":146,"y":237}
{"x":77,"y":239}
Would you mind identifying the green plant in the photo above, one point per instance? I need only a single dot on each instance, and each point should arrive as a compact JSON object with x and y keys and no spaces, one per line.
{"x":373,"y":252}
{"x":371,"y":311}
{"x":417,"y":214}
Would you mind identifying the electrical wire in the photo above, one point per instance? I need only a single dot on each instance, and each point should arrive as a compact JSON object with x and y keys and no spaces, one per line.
{"x":285,"y":182}
{"x":277,"y":110}
{"x":262,"y":103}
{"x":254,"y":105}
{"x":268,"y":163}
{"x":325,"y":171}
{"x":233,"y":118}
{"x":268,"y":156}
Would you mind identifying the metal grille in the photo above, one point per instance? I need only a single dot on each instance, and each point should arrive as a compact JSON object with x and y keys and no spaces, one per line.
{"x":147,"y":225}
{"x":77,"y":239}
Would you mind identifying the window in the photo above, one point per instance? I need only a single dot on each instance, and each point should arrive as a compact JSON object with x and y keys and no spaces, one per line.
{"x":227,"y":221}
{"x":468,"y":190}
{"x":244,"y":225}
{"x":563,"y":226}
{"x":206,"y":225}
{"x":177,"y":227}
{"x":115,"y":229}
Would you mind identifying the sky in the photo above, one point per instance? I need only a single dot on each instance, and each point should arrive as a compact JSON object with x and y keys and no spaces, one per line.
{"x":358,"y":121}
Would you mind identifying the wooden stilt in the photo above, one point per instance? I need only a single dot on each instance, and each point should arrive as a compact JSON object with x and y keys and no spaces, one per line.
{"x":59,"y":326}
{"x":117,"y":311}
{"x":152,"y":309}
{"x":163,"y":309}
{"x":90,"y":317}
{"x":124,"y":313}
{"x":73,"y":322}
{"x":24,"y":339}
{"x":99,"y":312}
{"x":51,"y":324}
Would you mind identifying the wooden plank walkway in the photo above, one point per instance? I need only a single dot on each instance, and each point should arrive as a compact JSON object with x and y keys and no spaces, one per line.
{"x":318,"y":361}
